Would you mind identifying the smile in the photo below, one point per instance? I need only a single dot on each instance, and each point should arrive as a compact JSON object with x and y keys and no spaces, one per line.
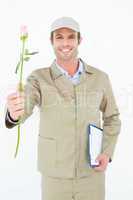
{"x":66,"y":50}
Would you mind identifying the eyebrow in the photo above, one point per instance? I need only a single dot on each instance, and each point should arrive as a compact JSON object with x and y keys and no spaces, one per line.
{"x":59,"y":34}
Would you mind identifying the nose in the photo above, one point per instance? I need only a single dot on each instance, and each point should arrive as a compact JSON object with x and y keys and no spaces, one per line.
{"x":65,"y":42}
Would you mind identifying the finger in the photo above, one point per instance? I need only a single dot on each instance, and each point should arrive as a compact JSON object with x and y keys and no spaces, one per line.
{"x":15,"y":101}
{"x":97,"y":169}
{"x":14,"y":94}
{"x":17,"y":93}
{"x":100,"y":168}
{"x":101,"y":164}
{"x":18,"y":114}
{"x":16,"y":108}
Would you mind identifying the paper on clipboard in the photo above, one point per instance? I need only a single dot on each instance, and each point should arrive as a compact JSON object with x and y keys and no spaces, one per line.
{"x":95,"y":135}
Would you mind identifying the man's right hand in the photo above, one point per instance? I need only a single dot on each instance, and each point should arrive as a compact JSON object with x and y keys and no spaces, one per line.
{"x":15,"y":105}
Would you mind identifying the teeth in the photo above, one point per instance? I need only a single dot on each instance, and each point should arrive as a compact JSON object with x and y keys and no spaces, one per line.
{"x":65,"y":50}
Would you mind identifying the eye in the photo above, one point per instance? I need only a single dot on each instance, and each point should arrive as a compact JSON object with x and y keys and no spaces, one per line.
{"x":59,"y":37}
{"x":72,"y":37}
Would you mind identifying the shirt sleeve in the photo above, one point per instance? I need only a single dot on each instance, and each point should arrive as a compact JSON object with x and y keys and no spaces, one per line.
{"x":10,"y":123}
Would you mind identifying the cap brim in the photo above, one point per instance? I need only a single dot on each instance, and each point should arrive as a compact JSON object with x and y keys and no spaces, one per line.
{"x":67,"y":26}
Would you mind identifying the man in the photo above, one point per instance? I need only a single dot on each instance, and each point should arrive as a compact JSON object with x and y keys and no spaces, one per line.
{"x":70,"y":95}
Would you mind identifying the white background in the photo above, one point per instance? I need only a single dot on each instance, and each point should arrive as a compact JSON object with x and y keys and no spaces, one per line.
{"x":107,"y":31}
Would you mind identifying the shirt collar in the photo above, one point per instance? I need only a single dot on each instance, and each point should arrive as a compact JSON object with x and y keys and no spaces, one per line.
{"x":79,"y":70}
{"x":56,"y":72}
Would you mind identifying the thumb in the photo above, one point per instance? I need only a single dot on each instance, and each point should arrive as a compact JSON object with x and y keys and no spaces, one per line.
{"x":98,"y":158}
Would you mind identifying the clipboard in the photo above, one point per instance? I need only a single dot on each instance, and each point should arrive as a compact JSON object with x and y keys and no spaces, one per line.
{"x":95,"y":135}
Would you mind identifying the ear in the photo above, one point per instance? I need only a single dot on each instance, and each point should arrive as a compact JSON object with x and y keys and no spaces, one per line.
{"x":80,"y":40}
{"x":51,"y":41}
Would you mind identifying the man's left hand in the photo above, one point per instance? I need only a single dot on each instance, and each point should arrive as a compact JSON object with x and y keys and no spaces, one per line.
{"x":103,"y":160}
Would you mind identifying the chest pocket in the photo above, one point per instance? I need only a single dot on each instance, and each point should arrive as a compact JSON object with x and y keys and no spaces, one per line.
{"x":50,"y":96}
{"x":94,"y":98}
{"x":54,"y":97}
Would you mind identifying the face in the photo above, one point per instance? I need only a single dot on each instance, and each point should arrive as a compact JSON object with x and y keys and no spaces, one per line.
{"x":65,"y":44}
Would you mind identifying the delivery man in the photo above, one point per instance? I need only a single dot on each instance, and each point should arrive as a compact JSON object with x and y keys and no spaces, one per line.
{"x":70,"y":95}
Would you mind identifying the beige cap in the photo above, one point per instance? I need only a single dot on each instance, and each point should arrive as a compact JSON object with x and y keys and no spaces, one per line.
{"x":65,"y":22}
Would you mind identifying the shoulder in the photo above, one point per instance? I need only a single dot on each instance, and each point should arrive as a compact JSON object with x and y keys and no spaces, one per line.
{"x":98,"y":73}
{"x":40,"y":72}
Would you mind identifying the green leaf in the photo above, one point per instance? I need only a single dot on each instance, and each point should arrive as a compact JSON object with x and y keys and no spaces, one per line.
{"x":26,"y":59}
{"x":33,"y":53}
{"x":17,"y":67}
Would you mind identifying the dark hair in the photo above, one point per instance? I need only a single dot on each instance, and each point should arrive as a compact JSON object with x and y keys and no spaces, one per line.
{"x":79,"y":36}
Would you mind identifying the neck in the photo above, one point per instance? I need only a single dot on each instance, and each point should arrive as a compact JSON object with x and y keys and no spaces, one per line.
{"x":70,"y":66}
